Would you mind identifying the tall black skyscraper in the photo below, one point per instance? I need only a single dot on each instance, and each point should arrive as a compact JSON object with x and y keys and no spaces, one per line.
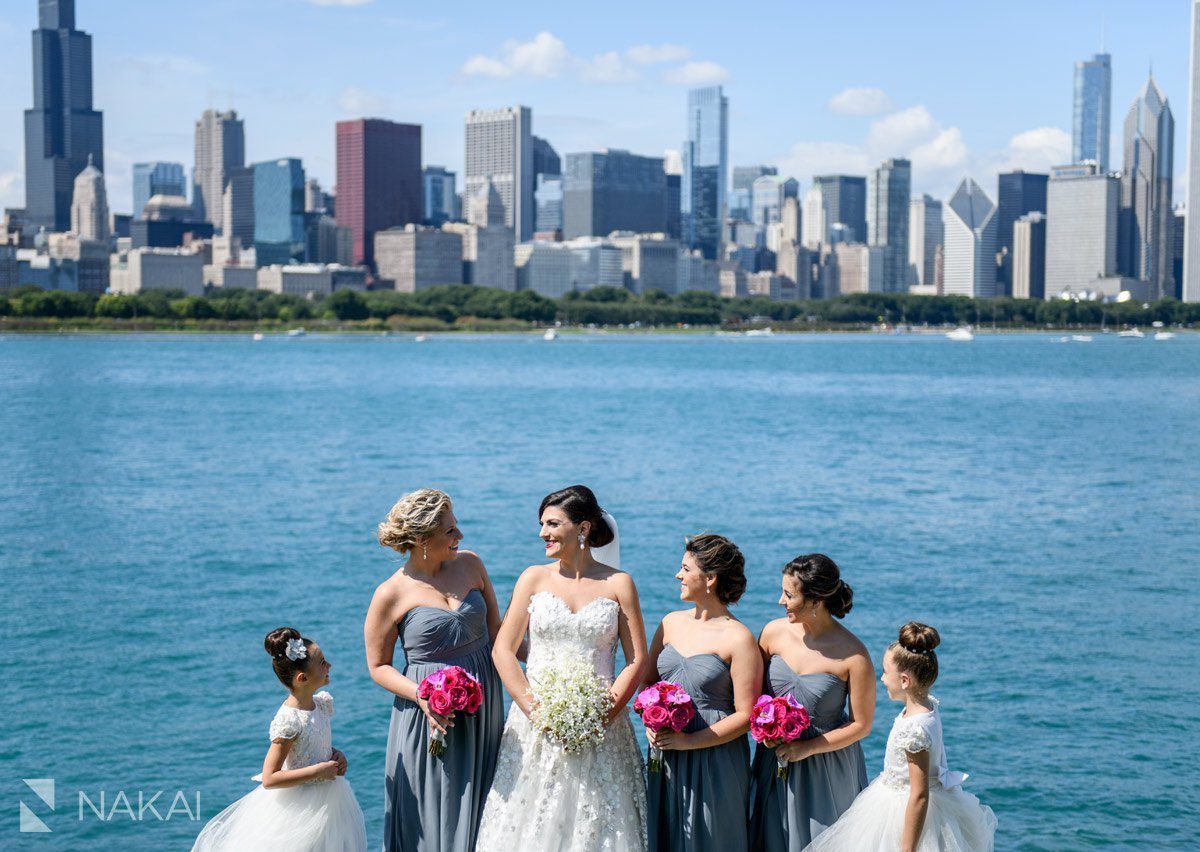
{"x":62,"y":130}
{"x":844,"y":198}
{"x":1020,"y":193}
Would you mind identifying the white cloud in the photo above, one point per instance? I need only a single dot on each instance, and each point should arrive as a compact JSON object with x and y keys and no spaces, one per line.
{"x":483,"y":66}
{"x":655,"y":54}
{"x":698,"y":73}
{"x":859,"y":101}
{"x":608,"y":68}
{"x":544,"y":56}
{"x":12,"y":189}
{"x":805,"y":159}
{"x":1037,"y":150}
{"x":355,"y":101}
{"x":340,"y":2}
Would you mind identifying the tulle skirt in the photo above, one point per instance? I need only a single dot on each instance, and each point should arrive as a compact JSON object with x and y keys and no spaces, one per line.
{"x":322,"y":816}
{"x":955,"y":822}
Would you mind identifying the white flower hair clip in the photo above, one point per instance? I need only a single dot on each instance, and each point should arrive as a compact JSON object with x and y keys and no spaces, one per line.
{"x":296,"y":650}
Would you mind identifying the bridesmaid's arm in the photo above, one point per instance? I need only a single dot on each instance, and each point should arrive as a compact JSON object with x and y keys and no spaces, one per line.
{"x":650,"y":677}
{"x":633,"y":643}
{"x":862,"y":712}
{"x":379,"y":635}
{"x":745,"y":668}
{"x":510,"y":639}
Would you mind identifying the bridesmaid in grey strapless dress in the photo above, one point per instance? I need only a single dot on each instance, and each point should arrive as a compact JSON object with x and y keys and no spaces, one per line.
{"x":434,"y":804}
{"x":698,"y":802}
{"x":788,"y":812}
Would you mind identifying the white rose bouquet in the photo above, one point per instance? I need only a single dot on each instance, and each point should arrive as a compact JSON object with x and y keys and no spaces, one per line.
{"x":570,"y":703}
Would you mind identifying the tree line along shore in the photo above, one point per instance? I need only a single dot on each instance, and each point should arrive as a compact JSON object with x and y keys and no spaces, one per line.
{"x":470,"y":308}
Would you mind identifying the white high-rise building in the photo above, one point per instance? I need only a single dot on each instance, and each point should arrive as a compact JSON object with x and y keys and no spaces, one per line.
{"x":487,"y":243}
{"x":1081,"y":229}
{"x":220,"y":148}
{"x":89,"y":205}
{"x":1191,"y":245}
{"x":969,"y":266}
{"x":543,"y":267}
{"x":815,"y":232}
{"x":499,"y":146}
{"x":925,"y":235}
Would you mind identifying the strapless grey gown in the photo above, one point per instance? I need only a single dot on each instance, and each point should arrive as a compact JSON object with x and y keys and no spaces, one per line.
{"x":787,"y":813}
{"x":698,"y":802}
{"x":434,"y":804}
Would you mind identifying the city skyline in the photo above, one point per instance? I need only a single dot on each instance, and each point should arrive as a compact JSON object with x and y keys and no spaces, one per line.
{"x":579,"y":80}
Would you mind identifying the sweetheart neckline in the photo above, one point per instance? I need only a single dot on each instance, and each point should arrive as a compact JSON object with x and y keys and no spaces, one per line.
{"x":684,"y":656}
{"x":456,"y":611}
{"x":567,"y":606}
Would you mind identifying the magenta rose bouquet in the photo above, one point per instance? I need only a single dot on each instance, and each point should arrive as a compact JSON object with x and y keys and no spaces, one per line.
{"x":663,"y":706}
{"x":778,"y":720}
{"x":449,"y":690}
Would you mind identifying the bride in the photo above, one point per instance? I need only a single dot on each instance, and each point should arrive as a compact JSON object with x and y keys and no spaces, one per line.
{"x":543,"y":798}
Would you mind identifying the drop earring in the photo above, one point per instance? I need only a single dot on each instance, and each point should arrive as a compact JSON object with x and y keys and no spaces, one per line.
{"x":582,"y":542}
{"x":424,"y":551}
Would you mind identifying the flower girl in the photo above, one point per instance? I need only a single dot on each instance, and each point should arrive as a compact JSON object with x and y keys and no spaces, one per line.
{"x":916,"y":804}
{"x":304,"y":802}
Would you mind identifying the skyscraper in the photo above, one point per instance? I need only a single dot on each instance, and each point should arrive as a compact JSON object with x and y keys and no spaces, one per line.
{"x":62,"y":131}
{"x":1029,"y":257}
{"x":220,"y":148}
{"x":548,"y":196}
{"x":702,"y":204}
{"x":613,"y":190}
{"x":89,"y":205}
{"x":1146,"y":230}
{"x":499,"y":147}
{"x":1093,"y":103}
{"x":925,"y":237}
{"x":1081,"y":229}
{"x":237,"y":206}
{"x":150,"y":179}
{"x":1191,"y":250}
{"x":279,"y":211}
{"x":1020,"y":193}
{"x":888,"y":195}
{"x":767,"y":195}
{"x":740,"y":200}
{"x":441,"y":200}
{"x":545,"y":159}
{"x":814,"y":233}
{"x":970,"y":256}
{"x":845,"y":200}
{"x":379,"y":183}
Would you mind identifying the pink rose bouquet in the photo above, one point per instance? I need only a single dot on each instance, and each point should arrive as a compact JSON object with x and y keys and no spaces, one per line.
{"x":663,"y":706}
{"x":449,"y":690}
{"x":778,"y":720}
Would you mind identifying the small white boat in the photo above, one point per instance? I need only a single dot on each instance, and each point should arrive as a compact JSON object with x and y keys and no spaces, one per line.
{"x":258,"y":335}
{"x":760,"y":332}
{"x":1164,"y":335}
{"x":1081,"y":338}
{"x":420,"y":338}
{"x":297,"y":332}
{"x":962,"y":334}
{"x":1132,"y":333}
{"x":551,"y":334}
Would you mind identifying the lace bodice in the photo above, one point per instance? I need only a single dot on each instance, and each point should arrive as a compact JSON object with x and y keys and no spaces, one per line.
{"x":309,"y":730}
{"x":912,"y":734}
{"x":556,"y":632}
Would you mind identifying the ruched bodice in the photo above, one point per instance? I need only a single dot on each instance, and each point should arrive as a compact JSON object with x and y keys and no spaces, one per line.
{"x":822,"y":694}
{"x":555,"y":632}
{"x":705,"y":677}
{"x":430,"y":634}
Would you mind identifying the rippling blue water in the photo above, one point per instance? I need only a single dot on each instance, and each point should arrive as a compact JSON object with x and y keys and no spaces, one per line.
{"x":168,"y":500}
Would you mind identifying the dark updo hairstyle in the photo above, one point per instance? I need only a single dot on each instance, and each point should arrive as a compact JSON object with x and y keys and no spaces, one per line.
{"x":820,"y":580}
{"x":579,"y":504}
{"x":276,"y":644}
{"x":913,"y":653}
{"x":720,"y":557}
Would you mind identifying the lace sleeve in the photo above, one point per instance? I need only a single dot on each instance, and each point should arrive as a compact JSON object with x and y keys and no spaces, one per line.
{"x":325,"y":701}
{"x":914,"y":738}
{"x":285,"y":725}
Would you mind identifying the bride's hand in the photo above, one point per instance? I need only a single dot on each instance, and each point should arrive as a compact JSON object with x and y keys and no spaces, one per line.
{"x":614,"y":711}
{"x":436,"y":722}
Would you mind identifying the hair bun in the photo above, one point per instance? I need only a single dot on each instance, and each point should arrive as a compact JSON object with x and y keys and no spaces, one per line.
{"x":277,"y":639}
{"x":919,"y":638}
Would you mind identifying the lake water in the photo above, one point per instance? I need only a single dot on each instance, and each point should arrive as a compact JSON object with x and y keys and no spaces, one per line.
{"x":167,"y":500}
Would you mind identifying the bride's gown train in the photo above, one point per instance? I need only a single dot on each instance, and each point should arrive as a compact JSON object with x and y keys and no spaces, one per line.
{"x":544,"y":800}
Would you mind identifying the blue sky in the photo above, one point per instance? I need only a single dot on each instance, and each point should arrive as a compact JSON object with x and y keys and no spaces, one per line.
{"x":961,"y":87}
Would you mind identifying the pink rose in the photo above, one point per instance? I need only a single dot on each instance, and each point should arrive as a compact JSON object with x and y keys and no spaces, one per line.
{"x":792,"y":729}
{"x":474,"y":700}
{"x":775,"y":731}
{"x":439,"y":702}
{"x":680,"y":716}
{"x":451,"y":678}
{"x":656,"y":718}
{"x":458,"y":697}
{"x":424,"y":689}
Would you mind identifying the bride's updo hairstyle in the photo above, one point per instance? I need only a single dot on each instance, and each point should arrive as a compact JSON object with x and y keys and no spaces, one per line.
{"x":579,"y":504}
{"x":286,"y":668}
{"x":412,"y":519}
{"x":820,"y":580}
{"x":913,"y":653}
{"x":720,"y":557}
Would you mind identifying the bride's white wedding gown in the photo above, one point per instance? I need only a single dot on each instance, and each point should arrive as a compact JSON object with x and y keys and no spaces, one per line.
{"x":544,"y":800}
